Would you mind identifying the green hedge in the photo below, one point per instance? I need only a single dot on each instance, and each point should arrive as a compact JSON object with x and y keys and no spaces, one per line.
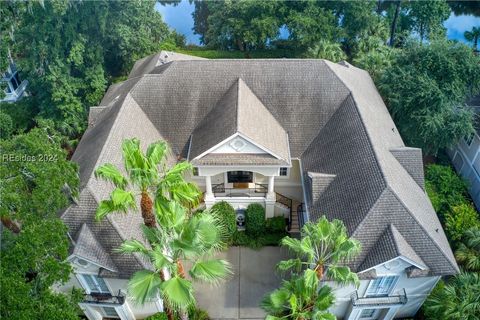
{"x":276,"y":224}
{"x":459,"y":219}
{"x":158,"y":316}
{"x":226,"y":214}
{"x":255,"y":220}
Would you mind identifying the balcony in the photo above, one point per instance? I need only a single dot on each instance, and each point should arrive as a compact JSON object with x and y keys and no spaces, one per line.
{"x":104,"y":298}
{"x":400,"y":298}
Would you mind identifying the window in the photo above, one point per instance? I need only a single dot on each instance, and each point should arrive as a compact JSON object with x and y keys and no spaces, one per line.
{"x":93,"y":283}
{"x":381,"y":286}
{"x":367,"y":313}
{"x":195,"y":171}
{"x":239,"y":176}
{"x":110,"y":312}
{"x":283,"y":172}
{"x":469,"y":139}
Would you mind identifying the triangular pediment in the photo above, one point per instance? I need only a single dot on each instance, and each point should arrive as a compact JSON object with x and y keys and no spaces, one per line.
{"x":239,"y":123}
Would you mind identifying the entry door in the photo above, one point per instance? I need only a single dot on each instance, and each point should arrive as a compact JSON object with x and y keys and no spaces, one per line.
{"x":240,"y":176}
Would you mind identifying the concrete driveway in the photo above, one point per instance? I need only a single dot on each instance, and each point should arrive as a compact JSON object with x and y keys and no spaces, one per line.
{"x":239,"y":298}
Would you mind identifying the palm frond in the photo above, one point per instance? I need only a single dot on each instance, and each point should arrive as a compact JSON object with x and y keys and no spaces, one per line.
{"x":110,"y":173}
{"x":133,"y":246}
{"x":211,"y":271}
{"x":178,"y":292}
{"x":144,"y":286}
{"x":156,"y":152}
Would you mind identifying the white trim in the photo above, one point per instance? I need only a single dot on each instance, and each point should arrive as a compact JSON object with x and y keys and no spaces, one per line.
{"x":189,"y":146}
{"x":81,"y":280}
{"x":392,"y":287}
{"x":398,"y":257}
{"x":259,"y":146}
{"x":239,"y":134}
{"x":70,"y":259}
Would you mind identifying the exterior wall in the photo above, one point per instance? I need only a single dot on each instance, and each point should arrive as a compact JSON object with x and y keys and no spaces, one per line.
{"x":128,"y":311}
{"x":417,"y":290}
{"x":15,"y":90}
{"x":466,"y":160}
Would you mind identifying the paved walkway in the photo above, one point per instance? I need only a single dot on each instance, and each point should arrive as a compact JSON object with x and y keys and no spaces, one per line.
{"x":239,"y":298}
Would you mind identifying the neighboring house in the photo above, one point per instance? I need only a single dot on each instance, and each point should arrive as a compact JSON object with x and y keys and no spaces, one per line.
{"x":14,"y":86}
{"x":304,"y":138}
{"x":466,"y":157}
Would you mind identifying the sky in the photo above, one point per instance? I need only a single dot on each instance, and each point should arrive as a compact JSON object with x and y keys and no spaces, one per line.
{"x":180,"y":18}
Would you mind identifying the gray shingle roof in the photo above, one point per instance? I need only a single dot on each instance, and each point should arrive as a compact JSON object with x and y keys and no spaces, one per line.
{"x":87,"y":246}
{"x":390,"y":245}
{"x":239,"y":110}
{"x":337,"y":125}
{"x":239,"y":159}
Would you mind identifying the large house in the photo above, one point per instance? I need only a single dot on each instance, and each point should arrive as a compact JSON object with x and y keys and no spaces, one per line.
{"x":465,"y":156}
{"x":304,"y":138}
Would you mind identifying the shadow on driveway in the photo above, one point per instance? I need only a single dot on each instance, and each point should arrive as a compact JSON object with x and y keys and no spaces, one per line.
{"x":240,"y":297}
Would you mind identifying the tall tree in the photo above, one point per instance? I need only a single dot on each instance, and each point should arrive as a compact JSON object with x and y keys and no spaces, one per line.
{"x":426,"y":88}
{"x":309,"y":23}
{"x":243,"y":24}
{"x":427,"y":17}
{"x":147,"y":177}
{"x":200,"y":20}
{"x":468,"y":252}
{"x":68,"y":50}
{"x":179,"y":239}
{"x":459,"y":298}
{"x":324,"y":247}
{"x":36,"y":182}
{"x":473,"y":36}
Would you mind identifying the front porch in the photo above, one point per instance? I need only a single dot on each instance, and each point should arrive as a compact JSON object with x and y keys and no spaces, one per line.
{"x":241,"y":188}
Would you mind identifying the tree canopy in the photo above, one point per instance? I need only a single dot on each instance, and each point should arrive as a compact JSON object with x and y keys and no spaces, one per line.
{"x":426,"y":88}
{"x":70,"y":50}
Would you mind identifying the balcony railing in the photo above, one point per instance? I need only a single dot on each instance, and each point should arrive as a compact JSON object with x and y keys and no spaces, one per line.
{"x":397,"y":299}
{"x":104,"y":298}
{"x":258,"y":191}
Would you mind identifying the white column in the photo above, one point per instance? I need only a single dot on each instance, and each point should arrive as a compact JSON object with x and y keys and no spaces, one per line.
{"x":208,"y":187}
{"x":209,"y":196}
{"x":271,"y":180}
{"x":270,"y":198}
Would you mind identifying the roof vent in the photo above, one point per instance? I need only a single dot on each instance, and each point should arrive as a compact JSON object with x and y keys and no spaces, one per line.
{"x":344,"y":63}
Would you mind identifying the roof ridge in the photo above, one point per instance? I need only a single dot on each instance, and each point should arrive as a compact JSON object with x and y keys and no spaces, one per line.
{"x":455,"y":267}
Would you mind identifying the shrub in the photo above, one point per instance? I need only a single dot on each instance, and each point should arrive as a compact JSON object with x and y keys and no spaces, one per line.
{"x":240,"y":238}
{"x":158,"y":316}
{"x":276,"y":224}
{"x":198,"y":314}
{"x":272,"y":239}
{"x":6,"y":125}
{"x":255,"y":219}
{"x":445,"y":188}
{"x":460,"y":219}
{"x":226,"y":214}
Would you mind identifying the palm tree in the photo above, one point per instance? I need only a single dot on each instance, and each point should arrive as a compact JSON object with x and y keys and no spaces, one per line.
{"x":325,"y":49}
{"x":468,"y":252}
{"x":145,"y":178}
{"x":300,"y":298}
{"x":473,"y":35}
{"x":324,"y":247}
{"x":459,"y":298}
{"x":179,"y":239}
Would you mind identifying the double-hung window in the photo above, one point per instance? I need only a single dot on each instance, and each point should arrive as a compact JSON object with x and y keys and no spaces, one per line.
{"x":382,"y":286}
{"x":284,"y":172}
{"x":94,"y":284}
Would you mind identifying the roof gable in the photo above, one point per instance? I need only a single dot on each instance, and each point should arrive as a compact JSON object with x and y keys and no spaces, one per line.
{"x":391,"y":245}
{"x":239,"y":113}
